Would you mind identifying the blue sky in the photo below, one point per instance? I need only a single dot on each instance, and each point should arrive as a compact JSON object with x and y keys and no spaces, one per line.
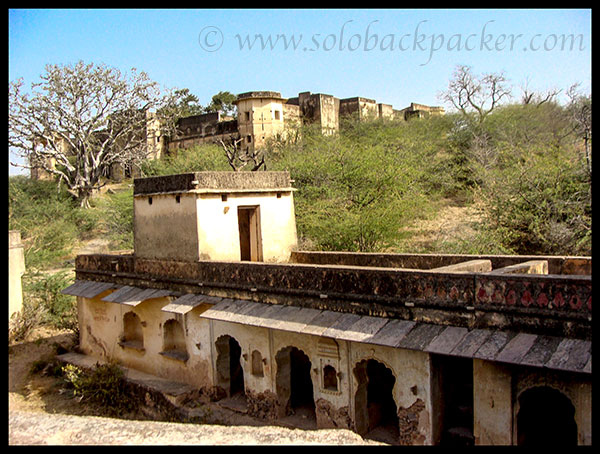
{"x":394,"y":56}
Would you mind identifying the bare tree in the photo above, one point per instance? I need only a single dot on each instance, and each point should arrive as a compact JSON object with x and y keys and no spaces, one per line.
{"x":239,"y":158}
{"x":79,"y":121}
{"x":537,"y":98}
{"x":480,"y":95}
{"x":580,"y":110}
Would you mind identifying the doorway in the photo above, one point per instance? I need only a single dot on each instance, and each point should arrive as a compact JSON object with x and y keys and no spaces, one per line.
{"x":250,"y":233}
{"x":453,"y":378}
{"x":375,"y":409}
{"x":546,"y":418}
{"x":230,"y":374}
{"x":294,"y":385}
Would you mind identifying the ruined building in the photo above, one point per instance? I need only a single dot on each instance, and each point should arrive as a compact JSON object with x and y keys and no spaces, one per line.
{"x":264,"y":114}
{"x":412,"y":349}
{"x":261,"y":115}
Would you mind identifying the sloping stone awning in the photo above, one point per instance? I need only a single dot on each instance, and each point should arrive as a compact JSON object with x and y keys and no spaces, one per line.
{"x":124,"y":294}
{"x":89,"y":289}
{"x":525,"y":349}
{"x":187,"y":302}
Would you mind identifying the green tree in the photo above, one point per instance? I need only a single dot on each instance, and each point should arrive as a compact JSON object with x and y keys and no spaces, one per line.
{"x":356,"y":189}
{"x":536,"y":189}
{"x":186,"y":103}
{"x":222,"y":102}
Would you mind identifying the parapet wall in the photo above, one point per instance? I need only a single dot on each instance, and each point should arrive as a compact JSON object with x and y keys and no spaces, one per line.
{"x":222,"y":181}
{"x":556,"y":264}
{"x":541,"y":304}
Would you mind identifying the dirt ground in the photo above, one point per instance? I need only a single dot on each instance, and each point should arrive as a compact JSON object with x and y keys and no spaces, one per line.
{"x":453,"y":223}
{"x":36,"y":391}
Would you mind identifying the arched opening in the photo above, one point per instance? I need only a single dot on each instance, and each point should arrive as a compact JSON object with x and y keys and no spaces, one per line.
{"x":230,"y":374}
{"x":133,"y":335}
{"x":294,"y":384}
{"x":330,"y":382}
{"x":545,"y":418}
{"x":375,"y":409}
{"x":174,"y":340}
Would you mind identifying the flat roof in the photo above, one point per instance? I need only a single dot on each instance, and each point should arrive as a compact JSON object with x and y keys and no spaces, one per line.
{"x":211,"y":181}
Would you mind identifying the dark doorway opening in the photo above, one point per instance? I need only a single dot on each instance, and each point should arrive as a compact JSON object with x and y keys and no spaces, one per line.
{"x":454,"y":378}
{"x":294,"y":385}
{"x":250,"y":233}
{"x":546,"y":418}
{"x":376,"y":414}
{"x":230,"y":374}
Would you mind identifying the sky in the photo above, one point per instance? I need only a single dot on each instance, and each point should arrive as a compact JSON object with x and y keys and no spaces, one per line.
{"x":395,"y":56}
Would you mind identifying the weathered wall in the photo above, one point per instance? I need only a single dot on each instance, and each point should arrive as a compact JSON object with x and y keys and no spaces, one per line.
{"x":258,"y":119}
{"x":495,"y":393}
{"x":101,"y":329}
{"x":412,"y":388}
{"x":545,"y":304}
{"x":556,"y":264}
{"x":165,"y":228}
{"x":359,"y":108}
{"x":218,"y":234}
{"x":492,"y":403}
{"x":329,"y":107}
{"x":195,"y":216}
{"x":16,"y":268}
{"x":320,"y":109}
{"x":385,"y":111}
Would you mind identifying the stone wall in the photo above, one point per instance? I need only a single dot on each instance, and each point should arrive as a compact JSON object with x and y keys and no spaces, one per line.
{"x":545,"y":304}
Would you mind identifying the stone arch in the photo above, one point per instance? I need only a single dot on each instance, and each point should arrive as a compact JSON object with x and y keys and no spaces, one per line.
{"x":375,"y":409}
{"x":133,"y":334}
{"x":293,"y":383}
{"x":230,"y":374}
{"x":546,"y":417}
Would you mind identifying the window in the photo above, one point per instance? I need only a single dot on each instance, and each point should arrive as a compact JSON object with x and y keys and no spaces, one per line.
{"x":133,"y":335}
{"x":149,"y":200}
{"x":178,"y":199}
{"x":330,"y":381}
{"x":247,"y":116}
{"x":277,"y":115}
{"x":174,"y":341}
{"x":249,"y":139}
{"x":257,"y":364}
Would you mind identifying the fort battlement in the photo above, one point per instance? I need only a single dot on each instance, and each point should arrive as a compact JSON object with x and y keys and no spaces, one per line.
{"x":263,"y":114}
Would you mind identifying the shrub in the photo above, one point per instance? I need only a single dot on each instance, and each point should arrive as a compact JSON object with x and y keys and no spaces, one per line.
{"x":104,"y":385}
{"x":44,"y":304}
{"x":193,"y":159}
{"x":48,"y":218}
